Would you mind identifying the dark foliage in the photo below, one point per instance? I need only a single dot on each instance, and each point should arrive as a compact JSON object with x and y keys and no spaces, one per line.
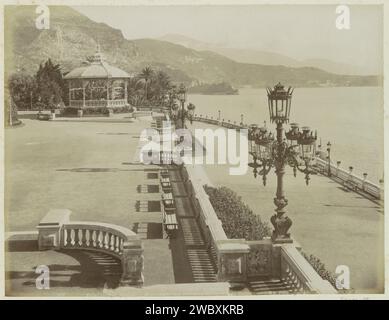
{"x":238,"y":220}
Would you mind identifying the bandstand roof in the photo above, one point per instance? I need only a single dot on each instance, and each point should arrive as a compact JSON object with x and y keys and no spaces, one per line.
{"x":97,"y":68}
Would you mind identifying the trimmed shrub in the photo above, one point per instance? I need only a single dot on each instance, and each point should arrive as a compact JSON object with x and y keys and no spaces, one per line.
{"x":96,"y":111}
{"x":238,"y":220}
{"x":323,"y":272}
{"x":69,"y":112}
{"x":125,"y":109}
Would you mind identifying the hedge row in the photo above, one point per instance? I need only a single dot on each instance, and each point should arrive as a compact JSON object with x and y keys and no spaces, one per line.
{"x":238,"y":220}
{"x":95,"y":111}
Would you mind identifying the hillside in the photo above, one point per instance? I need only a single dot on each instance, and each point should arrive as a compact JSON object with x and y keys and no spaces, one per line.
{"x":256,"y":56}
{"x":72,"y":37}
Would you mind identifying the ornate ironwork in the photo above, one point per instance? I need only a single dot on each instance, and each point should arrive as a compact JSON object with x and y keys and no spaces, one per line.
{"x":294,"y":148}
{"x":181,"y":114}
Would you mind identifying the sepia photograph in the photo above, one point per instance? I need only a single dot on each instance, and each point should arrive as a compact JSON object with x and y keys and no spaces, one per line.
{"x":193,"y":150}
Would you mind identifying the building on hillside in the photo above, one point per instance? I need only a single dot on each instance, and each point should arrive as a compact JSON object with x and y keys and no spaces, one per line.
{"x":97,"y":84}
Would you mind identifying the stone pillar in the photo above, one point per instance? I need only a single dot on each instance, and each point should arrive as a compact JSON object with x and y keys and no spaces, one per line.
{"x":276,"y":257}
{"x":132,"y":263}
{"x":50,"y":229}
{"x":276,"y":261}
{"x":232,"y":264}
{"x":70,"y":92}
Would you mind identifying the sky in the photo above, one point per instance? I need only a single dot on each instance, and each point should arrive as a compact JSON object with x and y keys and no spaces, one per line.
{"x":298,"y":31}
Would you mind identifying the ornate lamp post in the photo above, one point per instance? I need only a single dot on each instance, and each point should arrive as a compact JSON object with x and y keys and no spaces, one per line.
{"x":190,"y":112}
{"x":181,"y":114}
{"x":181,"y":94}
{"x":174,"y":112}
{"x":276,"y":152}
{"x":329,"y":158}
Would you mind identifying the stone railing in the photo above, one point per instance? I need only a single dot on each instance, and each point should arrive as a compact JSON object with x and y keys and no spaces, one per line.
{"x":349,"y":179}
{"x":97,"y":103}
{"x":218,"y":122}
{"x":117,"y":103}
{"x":76,"y":103}
{"x":55,"y":231}
{"x":95,"y":236}
{"x":298,"y":274}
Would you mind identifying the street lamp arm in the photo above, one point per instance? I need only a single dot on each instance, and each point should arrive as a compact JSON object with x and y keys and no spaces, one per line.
{"x":266,"y":165}
{"x":306,"y":169}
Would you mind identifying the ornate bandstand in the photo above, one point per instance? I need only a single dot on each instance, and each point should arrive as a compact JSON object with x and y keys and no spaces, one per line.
{"x":97,"y":84}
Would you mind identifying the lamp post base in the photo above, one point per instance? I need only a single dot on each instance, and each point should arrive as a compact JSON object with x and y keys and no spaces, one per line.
{"x":281,"y":224}
{"x":277,"y":239}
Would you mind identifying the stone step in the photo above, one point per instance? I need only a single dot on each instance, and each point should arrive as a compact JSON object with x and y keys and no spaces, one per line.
{"x":203,"y":269}
{"x":269,"y":286}
{"x":191,"y":232}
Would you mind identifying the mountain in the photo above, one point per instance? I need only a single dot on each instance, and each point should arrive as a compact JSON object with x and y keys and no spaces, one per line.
{"x":265,"y":57}
{"x":72,"y":37}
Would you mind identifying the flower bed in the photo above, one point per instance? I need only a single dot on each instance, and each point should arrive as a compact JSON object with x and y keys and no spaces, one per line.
{"x":238,"y":220}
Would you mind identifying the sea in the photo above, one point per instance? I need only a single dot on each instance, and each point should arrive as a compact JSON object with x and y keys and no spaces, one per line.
{"x":350,"y":118}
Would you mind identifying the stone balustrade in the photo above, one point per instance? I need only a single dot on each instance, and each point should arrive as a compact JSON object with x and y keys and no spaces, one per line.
{"x":97,"y":103}
{"x":55,"y":231}
{"x":349,"y":179}
{"x":298,"y":274}
{"x":218,"y":122}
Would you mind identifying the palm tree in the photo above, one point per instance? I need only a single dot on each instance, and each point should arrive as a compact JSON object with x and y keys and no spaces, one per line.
{"x":135,"y":91}
{"x":146,"y":75}
{"x":162,"y":83}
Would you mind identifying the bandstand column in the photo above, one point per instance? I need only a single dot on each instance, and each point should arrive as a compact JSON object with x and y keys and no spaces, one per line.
{"x":107,"y":93}
{"x":70,"y":93}
{"x":83,"y":93}
{"x":125,"y":91}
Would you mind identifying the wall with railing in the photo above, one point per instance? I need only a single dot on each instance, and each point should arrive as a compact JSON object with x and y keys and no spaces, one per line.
{"x":57,"y":232}
{"x":97,"y":103}
{"x":95,"y":236}
{"x":219,"y":122}
{"x":348,"y":179}
{"x":298,"y":274}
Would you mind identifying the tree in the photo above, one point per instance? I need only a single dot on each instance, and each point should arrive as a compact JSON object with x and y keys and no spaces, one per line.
{"x":22,"y":89}
{"x":149,"y":87}
{"x":50,"y":84}
{"x":162,"y":85}
{"x":146,"y":75}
